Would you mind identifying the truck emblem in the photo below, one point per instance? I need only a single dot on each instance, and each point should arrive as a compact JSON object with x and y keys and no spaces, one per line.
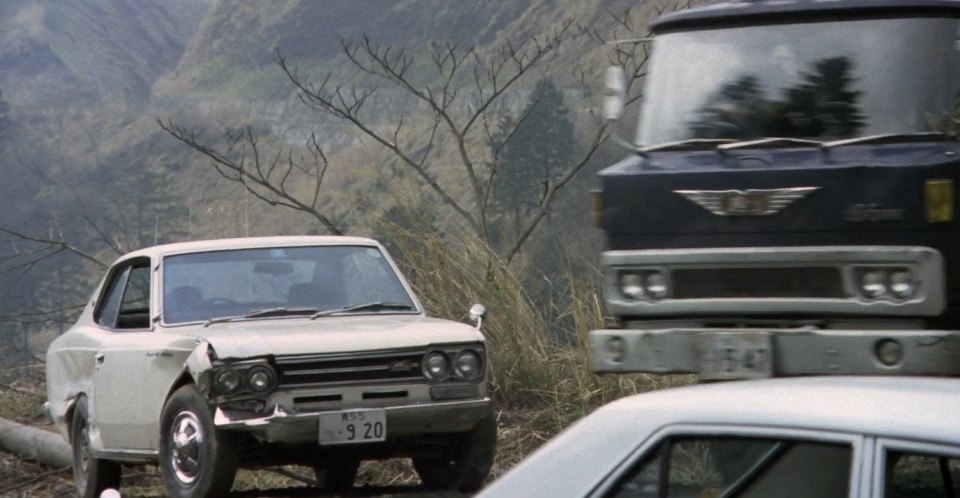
{"x":750,"y":202}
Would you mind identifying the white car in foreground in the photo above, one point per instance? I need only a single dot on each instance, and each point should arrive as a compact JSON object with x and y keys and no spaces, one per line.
{"x":813,"y":437}
{"x":202,"y":357}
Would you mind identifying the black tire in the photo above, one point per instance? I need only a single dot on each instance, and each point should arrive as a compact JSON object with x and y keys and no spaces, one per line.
{"x":337,"y":475}
{"x":196,"y":459}
{"x":467,"y":467}
{"x":90,"y":475}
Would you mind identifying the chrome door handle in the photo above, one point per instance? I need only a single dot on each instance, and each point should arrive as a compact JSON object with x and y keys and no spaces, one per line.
{"x":99,"y":357}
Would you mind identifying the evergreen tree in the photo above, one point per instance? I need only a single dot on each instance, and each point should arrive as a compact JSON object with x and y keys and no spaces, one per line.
{"x":4,"y":113}
{"x":535,"y":146}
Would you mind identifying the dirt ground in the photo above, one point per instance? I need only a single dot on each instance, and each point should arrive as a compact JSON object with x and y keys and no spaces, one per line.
{"x":24,"y":479}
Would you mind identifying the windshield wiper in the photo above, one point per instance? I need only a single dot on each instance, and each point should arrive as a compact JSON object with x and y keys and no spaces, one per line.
{"x":372,"y":306}
{"x":269,"y":312}
{"x":691,"y":144}
{"x":770,"y":142}
{"x":889,"y":138}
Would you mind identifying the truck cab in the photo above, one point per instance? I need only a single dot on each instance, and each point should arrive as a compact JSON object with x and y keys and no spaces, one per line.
{"x":788,"y":205}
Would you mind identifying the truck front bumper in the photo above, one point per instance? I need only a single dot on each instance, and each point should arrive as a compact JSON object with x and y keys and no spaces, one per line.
{"x":718,"y":354}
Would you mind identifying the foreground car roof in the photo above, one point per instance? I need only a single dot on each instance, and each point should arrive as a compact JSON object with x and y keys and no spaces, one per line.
{"x":921,"y":409}
{"x":251,"y":242}
{"x":768,"y":11}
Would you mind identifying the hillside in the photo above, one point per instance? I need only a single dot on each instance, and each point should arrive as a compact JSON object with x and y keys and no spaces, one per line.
{"x":86,"y":166}
{"x":85,"y":161}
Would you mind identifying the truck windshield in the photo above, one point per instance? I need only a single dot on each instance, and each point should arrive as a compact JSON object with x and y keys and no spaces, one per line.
{"x":822,"y":81}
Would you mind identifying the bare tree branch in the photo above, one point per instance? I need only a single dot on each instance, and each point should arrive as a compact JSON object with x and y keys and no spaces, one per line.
{"x":492,"y":77}
{"x":61,"y":244}
{"x":271,"y":180}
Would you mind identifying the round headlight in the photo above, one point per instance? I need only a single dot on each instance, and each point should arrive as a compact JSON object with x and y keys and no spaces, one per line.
{"x":436,"y":365}
{"x":657,"y":285}
{"x":261,"y":379}
{"x":902,"y":284}
{"x":468,"y":365}
{"x":227,"y":381}
{"x":872,"y":284}
{"x":631,"y":285}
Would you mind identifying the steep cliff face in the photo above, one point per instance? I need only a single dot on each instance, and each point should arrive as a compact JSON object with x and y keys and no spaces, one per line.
{"x":229,"y":69}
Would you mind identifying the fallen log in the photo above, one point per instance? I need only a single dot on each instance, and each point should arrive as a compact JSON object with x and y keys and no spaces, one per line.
{"x":32,"y":443}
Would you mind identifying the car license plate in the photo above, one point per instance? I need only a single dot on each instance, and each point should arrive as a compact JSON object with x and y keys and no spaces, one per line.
{"x":353,"y":426}
{"x":735,"y":355}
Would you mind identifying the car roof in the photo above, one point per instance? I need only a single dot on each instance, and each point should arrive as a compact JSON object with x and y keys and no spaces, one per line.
{"x":781,"y":11}
{"x":910,"y":408}
{"x":249,"y":243}
{"x":873,"y":405}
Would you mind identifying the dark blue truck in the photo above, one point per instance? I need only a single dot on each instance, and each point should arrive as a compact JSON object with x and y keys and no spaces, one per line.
{"x":789,"y":205}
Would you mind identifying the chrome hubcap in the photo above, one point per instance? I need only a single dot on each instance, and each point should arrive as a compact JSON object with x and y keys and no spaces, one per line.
{"x":186,"y":437}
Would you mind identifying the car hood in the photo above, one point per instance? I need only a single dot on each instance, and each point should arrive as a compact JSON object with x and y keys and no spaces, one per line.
{"x":298,"y":335}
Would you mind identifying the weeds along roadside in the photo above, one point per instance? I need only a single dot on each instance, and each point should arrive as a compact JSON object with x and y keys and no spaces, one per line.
{"x":534,"y":377}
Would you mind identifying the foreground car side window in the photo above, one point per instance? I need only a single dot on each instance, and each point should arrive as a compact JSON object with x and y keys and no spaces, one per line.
{"x":126,"y":302}
{"x":705,"y":466}
{"x":911,"y":474}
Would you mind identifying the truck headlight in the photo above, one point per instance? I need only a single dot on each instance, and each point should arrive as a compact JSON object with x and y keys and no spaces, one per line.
{"x":892,"y":283}
{"x":631,"y":285}
{"x":468,"y":365}
{"x":644,"y":284}
{"x":902,"y":284}
{"x":656,"y":285}
{"x":872,"y":283}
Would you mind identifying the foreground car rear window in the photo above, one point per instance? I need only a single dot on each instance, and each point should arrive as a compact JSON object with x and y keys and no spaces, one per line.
{"x":209,"y":285}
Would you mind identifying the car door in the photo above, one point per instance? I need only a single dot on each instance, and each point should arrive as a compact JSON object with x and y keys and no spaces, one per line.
{"x":126,"y":336}
{"x":911,"y":469}
{"x":740,"y":462}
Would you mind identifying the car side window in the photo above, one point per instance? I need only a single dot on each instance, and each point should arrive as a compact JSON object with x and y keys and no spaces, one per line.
{"x":912,"y":474}
{"x":126,"y":302}
{"x":743,"y":467}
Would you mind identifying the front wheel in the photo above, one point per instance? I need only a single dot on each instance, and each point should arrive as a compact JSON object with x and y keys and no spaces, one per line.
{"x":196,"y":460}
{"x":466,"y":468}
{"x":90,"y":475}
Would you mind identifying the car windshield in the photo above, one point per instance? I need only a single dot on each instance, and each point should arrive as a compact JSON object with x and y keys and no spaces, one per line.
{"x":822,"y":81}
{"x":281,"y":281}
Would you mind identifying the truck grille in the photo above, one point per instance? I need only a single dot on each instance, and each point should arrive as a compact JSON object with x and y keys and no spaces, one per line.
{"x":731,"y":283}
{"x":314,"y":370}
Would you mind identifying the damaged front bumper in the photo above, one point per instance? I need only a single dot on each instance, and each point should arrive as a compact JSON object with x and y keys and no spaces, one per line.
{"x":287,"y":426}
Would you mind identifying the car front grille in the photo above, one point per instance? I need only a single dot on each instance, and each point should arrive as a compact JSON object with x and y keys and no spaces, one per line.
{"x":732,"y":283}
{"x":322,"y":370}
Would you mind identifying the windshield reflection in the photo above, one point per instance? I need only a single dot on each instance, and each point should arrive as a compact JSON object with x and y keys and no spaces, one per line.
{"x":823,"y":81}
{"x":222,"y":286}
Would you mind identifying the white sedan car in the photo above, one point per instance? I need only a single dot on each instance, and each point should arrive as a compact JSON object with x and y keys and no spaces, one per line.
{"x":202,"y":357}
{"x":813,"y":437}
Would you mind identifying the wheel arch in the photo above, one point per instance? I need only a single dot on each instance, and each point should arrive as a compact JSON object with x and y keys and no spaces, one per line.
{"x":184,"y":379}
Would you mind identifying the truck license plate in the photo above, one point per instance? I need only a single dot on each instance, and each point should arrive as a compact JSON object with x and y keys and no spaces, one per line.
{"x":353,"y":426}
{"x":735,"y":355}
